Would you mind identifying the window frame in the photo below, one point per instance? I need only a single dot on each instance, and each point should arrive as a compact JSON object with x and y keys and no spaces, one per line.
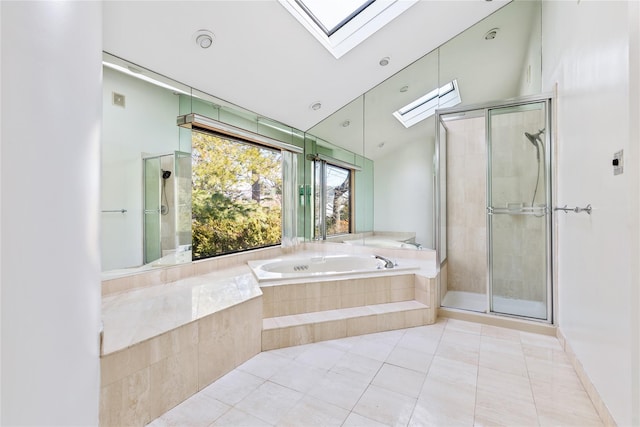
{"x":320,"y":226}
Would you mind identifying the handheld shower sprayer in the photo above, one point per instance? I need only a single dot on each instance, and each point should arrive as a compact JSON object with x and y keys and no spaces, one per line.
{"x":537,"y":142}
{"x":164,"y":208}
{"x":535,"y":139}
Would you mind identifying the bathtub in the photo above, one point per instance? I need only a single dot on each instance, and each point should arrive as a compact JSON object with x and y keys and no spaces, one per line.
{"x":320,"y":266}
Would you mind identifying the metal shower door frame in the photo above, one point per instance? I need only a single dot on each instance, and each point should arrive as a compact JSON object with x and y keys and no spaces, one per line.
{"x":485,"y":108}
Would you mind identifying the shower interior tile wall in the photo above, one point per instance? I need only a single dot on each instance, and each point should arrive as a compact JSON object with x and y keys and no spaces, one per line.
{"x":514,"y":173}
{"x":466,"y":204}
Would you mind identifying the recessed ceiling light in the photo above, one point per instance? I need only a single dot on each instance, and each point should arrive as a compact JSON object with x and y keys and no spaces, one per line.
{"x":346,"y":123}
{"x":384,"y":61}
{"x":404,"y":88}
{"x":203,"y":39}
{"x":315,"y":106}
{"x":491,"y":34}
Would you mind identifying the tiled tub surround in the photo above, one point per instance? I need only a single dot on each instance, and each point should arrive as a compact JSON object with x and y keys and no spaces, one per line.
{"x":169,"y":333}
{"x":164,"y":343}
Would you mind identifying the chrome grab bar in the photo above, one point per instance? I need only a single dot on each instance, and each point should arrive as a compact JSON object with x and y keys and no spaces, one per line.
{"x":523,"y":210}
{"x":577,"y":209}
{"x":115,"y":210}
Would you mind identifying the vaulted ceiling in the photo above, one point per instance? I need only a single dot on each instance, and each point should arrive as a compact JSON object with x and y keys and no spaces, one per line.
{"x":263,"y":60}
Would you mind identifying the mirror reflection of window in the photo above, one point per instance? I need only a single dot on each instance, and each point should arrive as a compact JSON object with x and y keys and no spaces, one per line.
{"x":333,"y":200}
{"x":237,"y":195}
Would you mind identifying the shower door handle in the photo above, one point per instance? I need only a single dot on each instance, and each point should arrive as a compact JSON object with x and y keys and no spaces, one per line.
{"x":535,"y":210}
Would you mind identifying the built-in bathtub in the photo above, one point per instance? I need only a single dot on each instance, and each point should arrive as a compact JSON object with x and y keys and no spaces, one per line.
{"x":320,"y":266}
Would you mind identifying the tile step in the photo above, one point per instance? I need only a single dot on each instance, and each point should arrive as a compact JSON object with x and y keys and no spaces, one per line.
{"x":305,"y":328}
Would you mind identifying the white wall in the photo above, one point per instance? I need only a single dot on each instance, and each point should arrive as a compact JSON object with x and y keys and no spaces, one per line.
{"x":147,"y":124}
{"x":403,"y":191}
{"x":586,"y":51}
{"x":50,"y":289}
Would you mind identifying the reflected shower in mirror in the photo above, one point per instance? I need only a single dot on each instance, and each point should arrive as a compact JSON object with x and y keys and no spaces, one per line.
{"x":497,"y":58}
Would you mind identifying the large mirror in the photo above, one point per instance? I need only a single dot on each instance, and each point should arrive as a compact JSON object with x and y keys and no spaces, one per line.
{"x":147,"y":179}
{"x":497,"y":58}
{"x":146,"y":191}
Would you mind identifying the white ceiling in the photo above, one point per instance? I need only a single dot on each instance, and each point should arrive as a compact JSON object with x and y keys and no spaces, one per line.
{"x":263,"y":60}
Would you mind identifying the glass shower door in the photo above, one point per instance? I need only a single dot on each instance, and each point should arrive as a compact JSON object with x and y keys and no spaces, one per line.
{"x":518,"y":214}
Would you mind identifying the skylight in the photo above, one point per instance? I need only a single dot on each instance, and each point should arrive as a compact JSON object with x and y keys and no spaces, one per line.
{"x":340,"y":25}
{"x":425,"y":106}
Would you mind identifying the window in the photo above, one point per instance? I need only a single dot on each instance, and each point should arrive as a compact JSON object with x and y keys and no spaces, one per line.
{"x":425,"y":106}
{"x":237,"y":195}
{"x":341,"y":25}
{"x":333,"y":210}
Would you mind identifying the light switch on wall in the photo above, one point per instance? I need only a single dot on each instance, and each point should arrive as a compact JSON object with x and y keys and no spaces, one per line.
{"x":618,"y":162}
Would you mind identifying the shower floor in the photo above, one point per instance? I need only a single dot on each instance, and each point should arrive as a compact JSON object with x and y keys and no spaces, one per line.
{"x":478,"y":302}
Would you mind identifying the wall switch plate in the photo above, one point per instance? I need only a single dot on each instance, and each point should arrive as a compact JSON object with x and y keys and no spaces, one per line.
{"x":618,"y":162}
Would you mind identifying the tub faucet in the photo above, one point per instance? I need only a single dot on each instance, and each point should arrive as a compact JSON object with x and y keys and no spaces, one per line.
{"x":387,"y":262}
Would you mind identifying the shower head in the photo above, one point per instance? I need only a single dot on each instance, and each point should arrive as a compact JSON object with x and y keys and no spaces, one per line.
{"x":535,"y":139}
{"x":532,"y":138}
{"x":165,"y":174}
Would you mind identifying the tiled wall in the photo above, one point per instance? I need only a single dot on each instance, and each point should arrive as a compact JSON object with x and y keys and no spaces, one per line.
{"x":466,"y":206}
{"x":518,"y":240}
{"x":142,"y":382}
{"x":282,"y":300}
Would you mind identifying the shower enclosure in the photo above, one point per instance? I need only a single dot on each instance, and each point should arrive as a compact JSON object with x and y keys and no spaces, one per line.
{"x":494,"y":198}
{"x":167,"y":207}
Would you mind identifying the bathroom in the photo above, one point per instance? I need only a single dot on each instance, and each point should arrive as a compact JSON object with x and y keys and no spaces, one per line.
{"x":576,"y":224}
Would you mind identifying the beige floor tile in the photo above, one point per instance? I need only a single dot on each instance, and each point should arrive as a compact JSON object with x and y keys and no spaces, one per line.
{"x":459,"y":346}
{"x":237,"y":418}
{"x":199,"y":410}
{"x":320,"y":356}
{"x":502,"y":355}
{"x":421,"y":339}
{"x":436,"y":413}
{"x":264,"y":365}
{"x":463,"y":326}
{"x":498,"y":332}
{"x":355,"y":420}
{"x":384,"y":406}
{"x":387,"y":337}
{"x":310,"y":411}
{"x":358,"y":367}
{"x":270,"y":402}
{"x":410,"y":359}
{"x":504,"y":399}
{"x":298,"y":376}
{"x":339,"y":389}
{"x":233,"y":387}
{"x":372,"y":349}
{"x":453,"y":373}
{"x":401,"y":380}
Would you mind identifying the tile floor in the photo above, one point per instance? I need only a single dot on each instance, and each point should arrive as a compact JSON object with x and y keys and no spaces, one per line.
{"x":453,"y":373}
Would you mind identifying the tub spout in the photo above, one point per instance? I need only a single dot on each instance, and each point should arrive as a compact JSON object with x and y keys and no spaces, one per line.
{"x":387,"y":262}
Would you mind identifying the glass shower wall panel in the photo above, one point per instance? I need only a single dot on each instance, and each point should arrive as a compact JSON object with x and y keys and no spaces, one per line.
{"x":152,"y":195}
